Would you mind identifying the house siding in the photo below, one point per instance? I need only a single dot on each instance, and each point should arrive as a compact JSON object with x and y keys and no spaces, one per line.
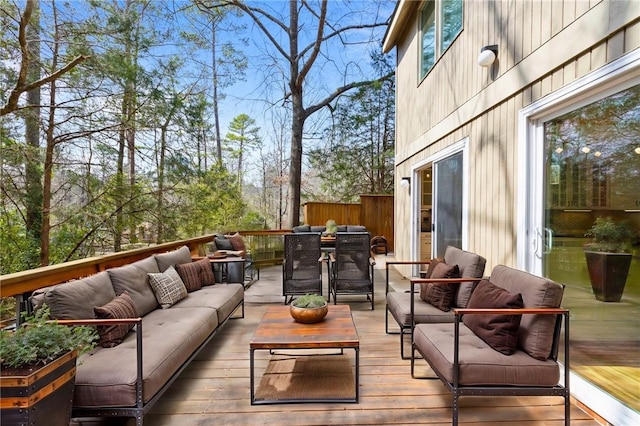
{"x":543,"y":46}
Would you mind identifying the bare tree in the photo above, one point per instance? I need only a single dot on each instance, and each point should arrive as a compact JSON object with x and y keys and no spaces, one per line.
{"x":285,"y":38}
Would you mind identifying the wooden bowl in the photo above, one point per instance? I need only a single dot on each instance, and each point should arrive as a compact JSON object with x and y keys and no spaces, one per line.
{"x":308,"y":315}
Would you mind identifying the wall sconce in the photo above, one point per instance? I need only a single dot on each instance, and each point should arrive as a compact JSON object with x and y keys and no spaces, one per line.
{"x":637,"y":150}
{"x":405,"y":182}
{"x":488,"y":55}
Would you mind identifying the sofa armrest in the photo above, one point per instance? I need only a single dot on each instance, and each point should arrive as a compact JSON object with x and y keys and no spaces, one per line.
{"x":402,"y":262}
{"x":138,"y":323}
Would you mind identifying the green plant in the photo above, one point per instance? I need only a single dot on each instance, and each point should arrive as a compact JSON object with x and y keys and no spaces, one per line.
{"x":609,"y":236}
{"x":41,"y":341}
{"x":309,"y":301}
{"x":331,"y":226}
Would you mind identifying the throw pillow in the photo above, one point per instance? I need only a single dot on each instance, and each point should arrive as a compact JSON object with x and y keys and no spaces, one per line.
{"x":168,"y":287}
{"x":498,"y":331}
{"x":196,"y":274}
{"x":237,"y":242}
{"x":120,"y":307}
{"x":441,"y":295}
{"x":432,"y":264}
{"x":222,"y":243}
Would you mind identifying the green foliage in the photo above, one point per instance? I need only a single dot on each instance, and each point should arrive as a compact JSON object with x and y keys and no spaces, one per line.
{"x":609,"y":236}
{"x":331,"y":226}
{"x":309,"y":301}
{"x":41,"y":341}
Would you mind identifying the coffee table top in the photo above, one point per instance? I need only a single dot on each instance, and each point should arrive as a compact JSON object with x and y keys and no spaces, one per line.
{"x":277,"y":330}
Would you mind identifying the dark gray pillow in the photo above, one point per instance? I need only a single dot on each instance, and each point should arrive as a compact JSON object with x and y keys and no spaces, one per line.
{"x":222,"y":243}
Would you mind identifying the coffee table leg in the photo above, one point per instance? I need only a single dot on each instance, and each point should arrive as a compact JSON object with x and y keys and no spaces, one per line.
{"x":357,"y":373}
{"x":251,"y":374}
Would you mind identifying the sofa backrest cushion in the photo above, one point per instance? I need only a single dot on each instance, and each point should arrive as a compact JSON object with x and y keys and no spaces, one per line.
{"x":133,"y":280}
{"x":356,"y":228}
{"x":168,"y":287}
{"x":120,"y":307}
{"x":341,"y":228}
{"x":440,"y":295}
{"x":148,"y":264}
{"x":175,"y":257}
{"x":317,"y":228}
{"x":497,"y":330}
{"x":194,"y":275}
{"x":76,"y":299}
{"x":301,"y":228}
{"x":470,"y":265}
{"x":536,"y":331}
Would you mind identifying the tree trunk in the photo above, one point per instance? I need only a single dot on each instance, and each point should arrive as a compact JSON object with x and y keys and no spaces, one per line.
{"x":297,"y":120}
{"x":33,"y":160}
{"x":216,"y":113}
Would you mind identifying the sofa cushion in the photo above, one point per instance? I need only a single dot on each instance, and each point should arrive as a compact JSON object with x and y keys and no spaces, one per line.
{"x":168,"y":287}
{"x":175,"y":257}
{"x":196,"y":274}
{"x":237,"y":242}
{"x":107,"y":377}
{"x":499,"y":331}
{"x":536,"y":331}
{"x":317,"y":228}
{"x":148,"y":265}
{"x":356,"y":228}
{"x":301,"y":228}
{"x":120,"y":307}
{"x":222,"y":243}
{"x":76,"y":299}
{"x":134,"y":280}
{"x":440,"y":295}
{"x":479,"y":363}
{"x":399,"y":304}
{"x":223,"y":298}
{"x":341,"y":228}
{"x":470,"y":265}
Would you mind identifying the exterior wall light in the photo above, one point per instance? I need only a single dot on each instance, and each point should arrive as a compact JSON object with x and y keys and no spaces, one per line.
{"x":405,"y":182}
{"x":488,"y":55}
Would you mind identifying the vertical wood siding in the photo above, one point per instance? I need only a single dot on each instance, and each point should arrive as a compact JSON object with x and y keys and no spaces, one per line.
{"x":520,"y":28}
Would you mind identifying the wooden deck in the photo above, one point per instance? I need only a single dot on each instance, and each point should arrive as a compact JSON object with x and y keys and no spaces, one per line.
{"x":214,"y":389}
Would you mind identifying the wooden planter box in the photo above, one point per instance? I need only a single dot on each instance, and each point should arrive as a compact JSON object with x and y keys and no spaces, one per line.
{"x":45,"y":397}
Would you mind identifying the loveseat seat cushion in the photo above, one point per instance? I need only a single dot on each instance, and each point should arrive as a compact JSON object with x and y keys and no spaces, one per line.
{"x":536,"y":331}
{"x":399,"y":304}
{"x":134,"y":280}
{"x":479,"y":363}
{"x":175,"y":257}
{"x":76,"y":299}
{"x":224,"y":298}
{"x":106,"y":377}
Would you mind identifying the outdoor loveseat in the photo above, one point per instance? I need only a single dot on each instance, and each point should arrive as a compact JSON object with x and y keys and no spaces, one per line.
{"x":129,"y":371}
{"x":426,"y":306}
{"x":506,"y":341}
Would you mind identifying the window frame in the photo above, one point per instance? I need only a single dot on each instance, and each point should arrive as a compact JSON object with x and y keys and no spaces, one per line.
{"x":434,"y":21}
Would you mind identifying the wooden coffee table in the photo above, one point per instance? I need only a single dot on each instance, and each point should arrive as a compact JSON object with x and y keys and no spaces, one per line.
{"x":277,"y":330}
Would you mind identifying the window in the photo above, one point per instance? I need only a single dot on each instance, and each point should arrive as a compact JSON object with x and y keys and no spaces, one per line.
{"x":438,"y":30}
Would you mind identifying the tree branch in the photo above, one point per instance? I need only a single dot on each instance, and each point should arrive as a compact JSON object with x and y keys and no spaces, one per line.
{"x":21,"y":85}
{"x":340,"y":90}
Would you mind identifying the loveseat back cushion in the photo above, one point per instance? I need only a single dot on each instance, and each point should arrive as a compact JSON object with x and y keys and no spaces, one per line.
{"x":317,"y":228}
{"x":120,"y":307}
{"x":133,"y":280}
{"x":148,"y":265}
{"x":498,"y":330}
{"x":356,"y":228}
{"x":341,"y":228}
{"x":175,"y":257}
{"x":301,"y":228}
{"x":440,"y":295}
{"x":470,"y":265}
{"x":76,"y":299}
{"x":536,"y":331}
{"x":168,"y":287}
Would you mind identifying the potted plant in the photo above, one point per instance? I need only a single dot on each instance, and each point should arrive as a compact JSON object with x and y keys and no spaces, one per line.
{"x":309,"y":309}
{"x":608,"y":258}
{"x":38,"y":364}
{"x":330,"y":227}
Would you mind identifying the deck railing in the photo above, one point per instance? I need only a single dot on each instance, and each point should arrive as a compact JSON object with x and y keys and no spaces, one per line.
{"x":266,"y":248}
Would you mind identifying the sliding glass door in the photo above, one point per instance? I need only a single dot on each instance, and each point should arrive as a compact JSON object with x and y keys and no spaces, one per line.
{"x":448,"y":203}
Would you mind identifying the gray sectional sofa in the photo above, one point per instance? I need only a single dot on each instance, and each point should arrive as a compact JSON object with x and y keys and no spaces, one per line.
{"x":341,"y":228}
{"x":127,"y":378}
